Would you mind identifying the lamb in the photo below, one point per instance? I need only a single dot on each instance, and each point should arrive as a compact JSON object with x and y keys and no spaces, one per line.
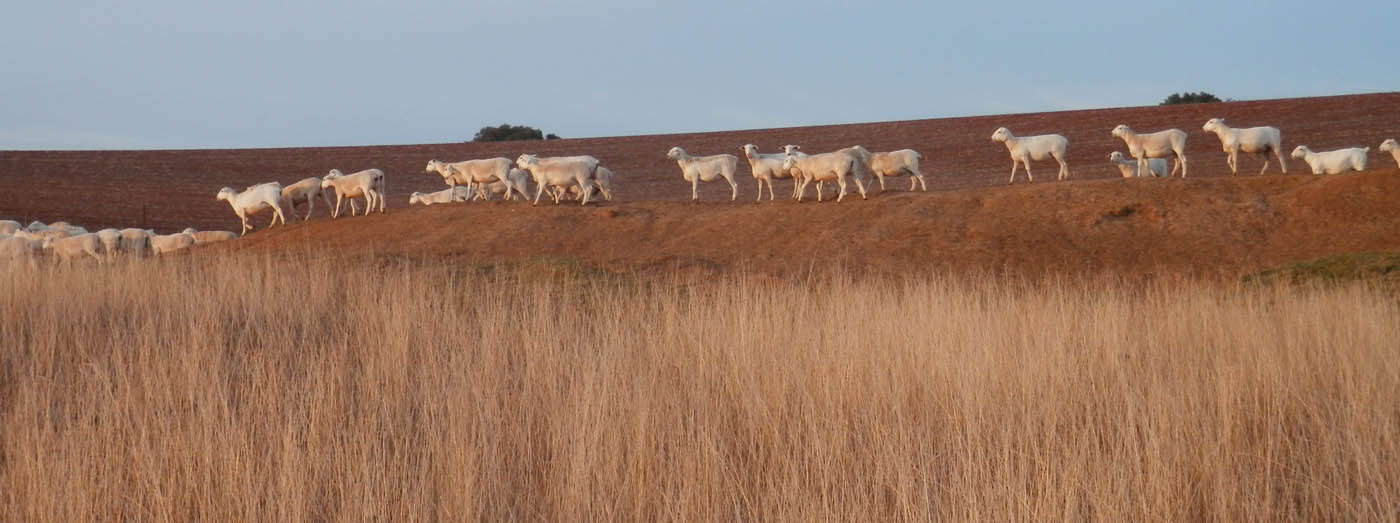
{"x":895,"y":163}
{"x":1253,"y":140}
{"x":1023,"y":149}
{"x":1389,"y":146}
{"x":1333,"y":162}
{"x":456,"y":193}
{"x":305,"y":190}
{"x":10,"y":226}
{"x":168,"y":243}
{"x":696,"y":169}
{"x":1154,"y":145}
{"x":560,"y":172}
{"x":1156,"y":166}
{"x":72,"y":247}
{"x":836,"y":165}
{"x":472,"y":172}
{"x":766,"y":167}
{"x":254,"y":200}
{"x":203,"y":237}
{"x":368,"y":184}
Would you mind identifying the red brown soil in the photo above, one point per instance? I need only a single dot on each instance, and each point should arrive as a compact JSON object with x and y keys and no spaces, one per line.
{"x":1209,"y":224}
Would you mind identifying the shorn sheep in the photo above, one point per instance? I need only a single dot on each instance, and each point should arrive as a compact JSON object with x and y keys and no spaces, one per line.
{"x":894,"y":164}
{"x":1335,"y":161}
{"x":135,"y":242}
{"x":473,"y":172}
{"x":15,"y":249}
{"x":305,"y":190}
{"x":203,"y":237}
{"x":73,"y":247}
{"x":168,"y":243}
{"x":1023,"y":149}
{"x":456,"y":193}
{"x":368,"y":184}
{"x":518,"y":182}
{"x":1160,"y":144}
{"x":838,"y":165}
{"x":560,"y":172}
{"x":1253,"y":140}
{"x":1128,"y":168}
{"x":1389,"y":146}
{"x":696,"y":169}
{"x":254,"y":200}
{"x":766,"y":168}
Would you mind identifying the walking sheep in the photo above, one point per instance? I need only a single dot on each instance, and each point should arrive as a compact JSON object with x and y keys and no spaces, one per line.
{"x":1023,"y":149}
{"x":1253,"y":140}
{"x":696,"y":169}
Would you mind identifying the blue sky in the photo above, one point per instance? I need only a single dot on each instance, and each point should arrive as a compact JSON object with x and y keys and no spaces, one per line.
{"x":180,"y":74}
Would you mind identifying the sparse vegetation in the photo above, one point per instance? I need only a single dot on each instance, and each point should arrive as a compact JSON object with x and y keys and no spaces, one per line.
{"x":287,"y":388}
{"x":507,"y":132}
{"x":1382,"y":268}
{"x":1190,"y":98}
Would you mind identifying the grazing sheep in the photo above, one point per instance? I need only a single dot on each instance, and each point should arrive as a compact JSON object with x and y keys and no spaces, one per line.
{"x":836,"y":165}
{"x":696,"y":169}
{"x":253,"y":200}
{"x":473,"y":172}
{"x":305,"y":190}
{"x":10,"y":226}
{"x":896,"y":163}
{"x":111,"y":240}
{"x":69,"y":248}
{"x":13,"y":249}
{"x":203,"y":237}
{"x":766,"y":167}
{"x":1389,"y":146}
{"x":1335,"y":161}
{"x":603,"y":179}
{"x":369,"y":184}
{"x":168,"y":243}
{"x":135,"y":242}
{"x":1156,"y":166}
{"x":456,"y":193}
{"x":1160,"y":144}
{"x":1253,"y":140}
{"x":560,"y":172}
{"x":1023,"y":149}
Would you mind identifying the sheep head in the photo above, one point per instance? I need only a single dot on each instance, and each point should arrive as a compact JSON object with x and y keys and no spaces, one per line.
{"x":789,"y":162}
{"x":227,"y":193}
{"x":1117,"y":156}
{"x":526,"y":161}
{"x":1122,"y":130}
{"x":791,"y":149}
{"x":335,"y":173}
{"x":433,"y":165}
{"x":750,"y":150}
{"x":1300,"y":152}
{"x":1002,"y":134}
{"x":1389,"y":145}
{"x":415,"y":198}
{"x":1213,"y":125}
{"x":675,"y":153}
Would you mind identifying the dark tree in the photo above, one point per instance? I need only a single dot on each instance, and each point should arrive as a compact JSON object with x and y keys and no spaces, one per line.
{"x":1190,"y":98}
{"x":507,"y":132}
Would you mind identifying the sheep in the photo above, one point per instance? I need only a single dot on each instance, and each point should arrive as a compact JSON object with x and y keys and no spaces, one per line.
{"x":1023,"y":149}
{"x":835,"y":165}
{"x":69,"y":248}
{"x":1389,"y":146}
{"x":1154,"y":145}
{"x":368,"y":183}
{"x":456,"y":193}
{"x":111,"y":240}
{"x":1156,"y":166}
{"x":1333,"y":162}
{"x":696,"y":169}
{"x":765,"y":168}
{"x":135,"y":242}
{"x":517,"y":182}
{"x":35,"y":226}
{"x":305,"y":190}
{"x":253,"y":200}
{"x":603,"y":180}
{"x":168,"y":243}
{"x":472,"y":172}
{"x":560,"y":172}
{"x":895,"y":163}
{"x":16,"y":248}
{"x":203,"y":237}
{"x":1253,"y":140}
{"x":10,"y":226}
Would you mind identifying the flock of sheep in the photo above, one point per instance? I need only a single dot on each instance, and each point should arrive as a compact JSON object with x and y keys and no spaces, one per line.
{"x":582,"y":177}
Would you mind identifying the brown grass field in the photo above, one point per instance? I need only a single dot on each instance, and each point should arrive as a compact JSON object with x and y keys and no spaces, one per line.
{"x":1218,"y":348}
{"x":261,"y":387}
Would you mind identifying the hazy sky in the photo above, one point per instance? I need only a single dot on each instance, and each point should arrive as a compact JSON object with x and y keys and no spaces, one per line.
{"x":182,"y":74}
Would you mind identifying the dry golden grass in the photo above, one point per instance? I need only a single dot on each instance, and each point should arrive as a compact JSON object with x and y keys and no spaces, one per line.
{"x":304,"y":389}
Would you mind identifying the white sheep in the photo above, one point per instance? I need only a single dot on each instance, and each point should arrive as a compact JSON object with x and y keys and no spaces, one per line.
{"x":168,"y":243}
{"x":1156,"y":166}
{"x":696,"y":169}
{"x":15,"y":249}
{"x":603,"y":180}
{"x":69,"y":248}
{"x":1389,"y":146}
{"x":111,"y":240}
{"x":10,"y":226}
{"x":456,"y":193}
{"x":1253,"y":140}
{"x":836,"y":165}
{"x":766,"y":167}
{"x":1160,"y":144}
{"x":35,"y":226}
{"x":895,"y":163}
{"x":254,"y":200}
{"x":135,"y":242}
{"x":203,"y":237}
{"x":305,"y":190}
{"x":560,"y":172}
{"x":1335,"y":161}
{"x":1023,"y":149}
{"x":473,"y":172}
{"x":518,"y":182}
{"x":369,"y":184}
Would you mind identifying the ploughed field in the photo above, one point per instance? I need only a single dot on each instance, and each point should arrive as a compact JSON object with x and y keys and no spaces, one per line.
{"x":1208,"y":224}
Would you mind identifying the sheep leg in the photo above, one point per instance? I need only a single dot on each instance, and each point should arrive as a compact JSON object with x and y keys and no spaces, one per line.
{"x":881,"y":177}
{"x":1266,"y":162}
{"x":1064,"y":169}
{"x":539,"y":191}
{"x":733,"y":188}
{"x":310,"y":204}
{"x":860,"y":185}
{"x":695,"y":188}
{"x":841,"y":186}
{"x":1284,"y":166}
{"x":1182,"y":155}
{"x":1233,"y":160}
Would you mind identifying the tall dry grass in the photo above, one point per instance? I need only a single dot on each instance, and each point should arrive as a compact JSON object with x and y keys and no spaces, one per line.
{"x":303,"y":389}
